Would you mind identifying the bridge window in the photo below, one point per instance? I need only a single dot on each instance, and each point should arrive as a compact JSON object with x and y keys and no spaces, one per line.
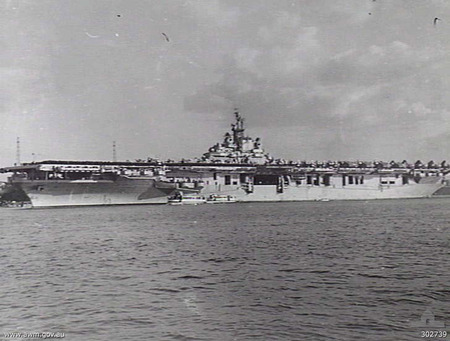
{"x":227,"y":179}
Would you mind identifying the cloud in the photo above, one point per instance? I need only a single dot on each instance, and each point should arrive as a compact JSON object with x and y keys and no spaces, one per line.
{"x":291,"y":77}
{"x":322,"y":78}
{"x":213,"y":12}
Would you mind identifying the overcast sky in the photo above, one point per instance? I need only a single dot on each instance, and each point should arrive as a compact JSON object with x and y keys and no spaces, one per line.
{"x":315,"y":79}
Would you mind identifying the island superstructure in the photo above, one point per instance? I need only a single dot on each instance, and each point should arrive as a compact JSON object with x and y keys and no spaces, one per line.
{"x":237,"y":147}
{"x":238,"y":166}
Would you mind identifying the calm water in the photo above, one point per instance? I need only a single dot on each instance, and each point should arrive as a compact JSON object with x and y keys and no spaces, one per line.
{"x":284,"y":271}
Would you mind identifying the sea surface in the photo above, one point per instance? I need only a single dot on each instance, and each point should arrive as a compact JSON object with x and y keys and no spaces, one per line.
{"x":356,"y":270}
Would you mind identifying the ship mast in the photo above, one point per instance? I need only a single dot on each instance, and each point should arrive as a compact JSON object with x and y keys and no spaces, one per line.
{"x":238,"y":130}
{"x":18,"y":151}
{"x":114,"y":151}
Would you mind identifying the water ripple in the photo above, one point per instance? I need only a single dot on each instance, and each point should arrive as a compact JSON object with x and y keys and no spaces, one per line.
{"x":287,"y":271}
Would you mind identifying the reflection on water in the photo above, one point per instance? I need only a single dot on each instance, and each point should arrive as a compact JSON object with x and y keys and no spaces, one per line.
{"x":285,"y":271}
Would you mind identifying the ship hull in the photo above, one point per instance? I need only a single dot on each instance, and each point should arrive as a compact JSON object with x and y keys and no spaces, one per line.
{"x":371,"y":191}
{"x":267,"y":193}
{"x":126,"y":191}
{"x":445,"y":190}
{"x":123,"y":191}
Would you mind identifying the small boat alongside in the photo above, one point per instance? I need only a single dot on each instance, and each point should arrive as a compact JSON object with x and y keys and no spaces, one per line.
{"x":186,"y":199}
{"x":22,"y":205}
{"x":220,"y":199}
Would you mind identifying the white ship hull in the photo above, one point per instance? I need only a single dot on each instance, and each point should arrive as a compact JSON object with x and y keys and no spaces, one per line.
{"x":369,"y":191}
{"x":266,"y":193}
{"x":55,"y":193}
{"x":145,"y":191}
{"x":126,"y":191}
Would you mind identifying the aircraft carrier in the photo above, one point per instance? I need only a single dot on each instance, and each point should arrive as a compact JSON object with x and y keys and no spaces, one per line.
{"x":237,"y":166}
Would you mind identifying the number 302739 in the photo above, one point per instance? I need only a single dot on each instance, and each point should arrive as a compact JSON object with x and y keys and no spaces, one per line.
{"x":433,"y":333}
